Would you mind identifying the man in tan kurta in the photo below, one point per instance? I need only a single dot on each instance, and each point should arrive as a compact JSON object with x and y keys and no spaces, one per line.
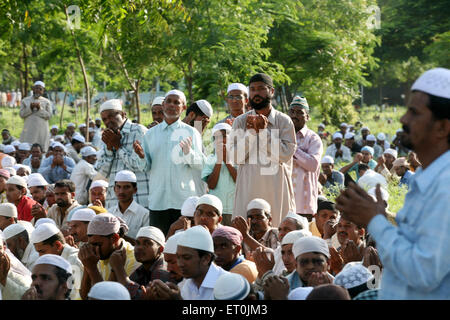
{"x":36,"y":111}
{"x":265,"y":159}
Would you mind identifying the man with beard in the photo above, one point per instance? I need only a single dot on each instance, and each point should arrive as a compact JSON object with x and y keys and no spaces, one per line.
{"x":385,"y":163}
{"x":329,"y":177}
{"x":31,"y":161}
{"x":97,"y":193}
{"x":18,"y":241}
{"x":36,"y":111}
{"x":157,"y":111}
{"x":58,"y":166}
{"x":79,"y":223}
{"x":237,"y":99}
{"x":305,"y":176}
{"x":415,"y":254}
{"x":264,"y":151}
{"x":351,"y":144}
{"x":338,"y":151}
{"x":200,"y":111}
{"x":65,"y":202}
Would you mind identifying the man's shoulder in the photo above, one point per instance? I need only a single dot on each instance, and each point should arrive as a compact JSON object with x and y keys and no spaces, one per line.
{"x":138,"y":127}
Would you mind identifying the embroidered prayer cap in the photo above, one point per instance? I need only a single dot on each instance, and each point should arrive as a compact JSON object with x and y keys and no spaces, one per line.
{"x":327,"y":159}
{"x":42,"y":221}
{"x":300,"y":102}
{"x":125,"y":176}
{"x":197,"y":238}
{"x":158,"y":101}
{"x":8,"y":210}
{"x":211,"y":200}
{"x":109,"y":290}
{"x":293,"y":236}
{"x":302,"y":220}
{"x":189,"y":206}
{"x":237,"y":86}
{"x":172,"y":243}
{"x":205,"y":106}
{"x":259,"y":203}
{"x":39,"y":83}
{"x":352,"y":275}
{"x":435,"y":82}
{"x":99,"y":183}
{"x":153,"y":233}
{"x":371,"y":137}
{"x":178,"y":93}
{"x":392,"y":152}
{"x":103,"y":224}
{"x":230,"y":233}
{"x":310,"y":244}
{"x":43,"y":231}
{"x":231,"y":286}
{"x":337,"y":135}
{"x":112,"y":104}
{"x":88,"y":151}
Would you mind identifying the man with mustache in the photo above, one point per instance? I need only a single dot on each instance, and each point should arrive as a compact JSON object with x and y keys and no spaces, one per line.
{"x":263,"y":152}
{"x":237,"y":99}
{"x":415,"y":253}
{"x":337,"y":150}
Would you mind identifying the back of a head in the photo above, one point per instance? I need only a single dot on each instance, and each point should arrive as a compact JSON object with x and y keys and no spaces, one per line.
{"x":328,"y":292}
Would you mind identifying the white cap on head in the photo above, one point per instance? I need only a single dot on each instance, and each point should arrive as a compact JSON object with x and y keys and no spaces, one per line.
{"x":43,"y":232}
{"x":158,"y":100}
{"x":11,"y":170}
{"x":349,"y":135}
{"x":371,"y":137}
{"x":57,"y":144}
{"x":392,"y":152}
{"x":88,"y":151}
{"x":221,"y":126}
{"x":205,"y":106}
{"x":13,"y":230}
{"x":112,"y":104}
{"x":197,"y":238}
{"x":302,"y":220}
{"x":8,"y":161}
{"x":153,"y":233}
{"x":71,"y":124}
{"x":384,"y":193}
{"x":99,"y":183}
{"x":9,"y":148}
{"x":381,"y":136}
{"x":237,"y":86}
{"x":125,"y":176}
{"x":54,"y":260}
{"x":259,"y":203}
{"x":178,"y":93}
{"x":79,"y":137}
{"x":16,"y":143}
{"x":321,"y":125}
{"x":36,"y":180}
{"x":370,"y":179}
{"x":327,"y":159}
{"x":24,"y":146}
{"x":300,"y":293}
{"x":42,"y":221}
{"x":189,"y":206}
{"x":292,"y":236}
{"x":365,"y":128}
{"x":17,"y":180}
{"x":8,"y":210}
{"x":211,"y":200}
{"x":343,"y":124}
{"x":83,"y":125}
{"x":310,"y":244}
{"x":39,"y":83}
{"x":103,"y":224}
{"x":84,"y":214}
{"x":231,"y":286}
{"x":55,"y":127}
{"x":109,"y":290}
{"x":337,"y":135}
{"x":435,"y":82}
{"x":352,"y":275}
{"x":172,"y":243}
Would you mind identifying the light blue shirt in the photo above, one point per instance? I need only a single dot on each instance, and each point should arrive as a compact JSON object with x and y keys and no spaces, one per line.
{"x":51,"y":175}
{"x":406,"y":179}
{"x":171,"y":171}
{"x":416,"y":254}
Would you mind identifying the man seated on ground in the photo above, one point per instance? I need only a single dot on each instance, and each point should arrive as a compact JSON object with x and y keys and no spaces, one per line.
{"x":208,"y":212}
{"x":16,"y":190}
{"x":78,"y":225}
{"x":351,"y":143}
{"x":371,"y":142}
{"x":187,"y":216}
{"x":83,"y":173}
{"x":365,"y":157}
{"x":4,"y":176}
{"x":401,"y":168}
{"x":34,"y":160}
{"x":58,"y":166}
{"x":18,"y":241}
{"x":170,"y":257}
{"x":325,"y":222}
{"x":330,"y":177}
{"x":337,"y":150}
{"x":385,"y":163}
{"x":8,"y":215}
{"x":97,"y":193}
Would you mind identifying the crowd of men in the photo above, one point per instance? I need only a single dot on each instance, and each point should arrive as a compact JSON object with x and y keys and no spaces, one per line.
{"x":144,"y":213}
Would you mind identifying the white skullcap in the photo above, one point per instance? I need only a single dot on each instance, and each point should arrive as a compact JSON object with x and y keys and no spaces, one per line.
{"x":109,"y":290}
{"x":125,"y":176}
{"x":391,"y":151}
{"x":42,"y":221}
{"x":55,"y":126}
{"x":112,"y":104}
{"x":310,"y":244}
{"x":39,"y":83}
{"x":54,"y":260}
{"x":83,"y":125}
{"x":99,"y":183}
{"x":43,"y":232}
{"x":79,"y":137}
{"x":302,"y":220}
{"x":88,"y":151}
{"x":36,"y":179}
{"x":8,"y":161}
{"x":103,"y":224}
{"x":2,"y":146}
{"x":28,"y":226}
{"x":178,"y":93}
{"x":60,"y":145}
{"x":17,"y":180}
{"x":91,"y":129}
{"x":221,"y":126}
{"x":9,"y":148}
{"x":352,"y":275}
{"x":16,"y":143}
{"x":343,"y":124}
{"x":189,"y":206}
{"x":158,"y":100}
{"x":12,"y":171}
{"x":24,"y":146}
{"x":384,"y":193}
{"x":435,"y":82}
{"x":365,"y":128}
{"x":327,"y":159}
{"x":211,"y":200}
{"x":300,"y":293}
{"x":71,"y":125}
{"x":321,"y":125}
{"x":205,"y":106}
{"x":237,"y":86}
{"x":197,"y":238}
{"x":293,"y":236}
{"x":370,"y":179}
{"x":84,"y":214}
{"x":231,"y":286}
{"x":153,"y":233}
{"x":172,"y":243}
{"x":381,"y":136}
{"x":371,"y":137}
{"x":349,"y":135}
{"x":8,"y":210}
{"x":98,"y":118}
{"x":13,"y":230}
{"x":259,"y":204}
{"x":337,"y":135}
{"x":59,"y":136}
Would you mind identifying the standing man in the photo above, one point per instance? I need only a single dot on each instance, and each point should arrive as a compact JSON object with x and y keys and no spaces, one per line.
{"x":83,"y":173}
{"x":157,"y":111}
{"x":36,"y":111}
{"x":200,"y":110}
{"x":415,"y":254}
{"x":305,"y":176}
{"x":237,"y":99}
{"x":77,"y":143}
{"x":264,"y":152}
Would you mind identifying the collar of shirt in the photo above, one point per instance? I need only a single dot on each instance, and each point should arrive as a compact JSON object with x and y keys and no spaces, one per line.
{"x":424,"y":178}
{"x":133,"y":207}
{"x":211,"y":277}
{"x":302,"y":132}
{"x":164,"y":125}
{"x":270,"y":117}
{"x":126,"y":127}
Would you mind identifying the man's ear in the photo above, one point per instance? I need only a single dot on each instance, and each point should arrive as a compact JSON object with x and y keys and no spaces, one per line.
{"x":220,"y":219}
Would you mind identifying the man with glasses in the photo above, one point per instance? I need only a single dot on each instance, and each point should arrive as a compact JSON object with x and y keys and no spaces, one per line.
{"x":237,"y":99}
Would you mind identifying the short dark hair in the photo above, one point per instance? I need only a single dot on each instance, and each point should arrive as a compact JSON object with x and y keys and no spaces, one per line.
{"x":202,"y":253}
{"x":439,"y":106}
{"x":57,"y":237}
{"x":194,"y":108}
{"x":363,"y":166}
{"x":23,"y":235}
{"x":65,"y":183}
{"x":34,"y":145}
{"x":134,"y":184}
{"x":63,"y":276}
{"x":73,"y":141}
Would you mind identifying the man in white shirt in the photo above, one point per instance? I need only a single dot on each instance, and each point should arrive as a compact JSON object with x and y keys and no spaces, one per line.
{"x":83,"y":172}
{"x":18,"y":242}
{"x":337,"y":150}
{"x":135,"y":215}
{"x":77,"y":143}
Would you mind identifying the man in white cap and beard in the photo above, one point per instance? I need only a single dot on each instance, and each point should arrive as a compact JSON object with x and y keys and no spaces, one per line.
{"x":172,"y":154}
{"x":417,"y":266}
{"x":237,"y":99}
{"x":83,"y":173}
{"x":79,"y":222}
{"x":36,"y":111}
{"x":337,"y":150}
{"x":17,"y":239}
{"x":117,"y":152}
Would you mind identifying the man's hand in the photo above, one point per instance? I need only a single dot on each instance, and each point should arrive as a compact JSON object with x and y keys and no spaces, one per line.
{"x":329,"y":228}
{"x":165,"y":291}
{"x":336,"y":261}
{"x":70,"y":241}
{"x":38,"y":211}
{"x":118,"y":258}
{"x":371,"y":258}
{"x":186,"y":145}
{"x":30,"y":294}
{"x":357,"y":158}
{"x":323,"y":178}
{"x":242,"y":225}
{"x":276,"y":288}
{"x":339,"y":153}
{"x":350,"y":252}
{"x":229,"y":121}
{"x":138,"y":149}
{"x":263,"y":263}
{"x":5,"y":265}
{"x":318,"y":278}
{"x":89,"y":255}
{"x":111,"y":139}
{"x":182,"y":223}
{"x":261,"y":122}
{"x":97,"y":203}
{"x":381,"y":160}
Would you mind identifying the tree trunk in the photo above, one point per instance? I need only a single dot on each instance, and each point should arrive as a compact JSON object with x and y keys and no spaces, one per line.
{"x":62,"y":110}
{"x":25,"y":60}
{"x":190,"y":81}
{"x":138,"y":107}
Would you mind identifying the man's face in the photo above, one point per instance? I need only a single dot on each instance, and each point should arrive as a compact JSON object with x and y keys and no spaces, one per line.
{"x":285,"y":227}
{"x":259,"y":222}
{"x":5,"y":222}
{"x":146,"y":250}
{"x":260,"y":95}
{"x":5,"y":135}
{"x":50,"y":196}
{"x":22,"y":172}
{"x":54,"y":131}
{"x":400,"y":170}
{"x":173,"y":106}
{"x":63,"y":197}
{"x":104,"y":243}
{"x":207,"y":215}
{"x":322,"y":217}
{"x":204,"y":120}
{"x":124,"y":191}
{"x":113,"y":119}
{"x":226,"y":252}
{"x":347,"y":230}
{"x":172,"y":266}
{"x":14,"y":245}
{"x":13,"y":194}
{"x":2,"y":183}
{"x":58,"y":151}
{"x":327,"y":168}
{"x":98,"y":123}
{"x":299,"y":117}
{"x":12,"y":154}
{"x":236,"y":101}
{"x":78,"y":230}
{"x":55,"y":248}
{"x":23,"y":154}
{"x":389,"y":159}
{"x":46,"y":283}
{"x":337,"y":142}
{"x":288,"y":257}
{"x":91,"y":159}
{"x":98,"y":193}
{"x":370,"y":143}
{"x":158,"y":113}
{"x":35,"y":162}
{"x":343,"y":129}
{"x":310,"y":262}
{"x":37,"y":91}
{"x":367,"y":156}
{"x":189,"y":262}
{"x":36,"y":152}
{"x":365,"y":133}
{"x":349,"y":142}
{"x":38,"y":194}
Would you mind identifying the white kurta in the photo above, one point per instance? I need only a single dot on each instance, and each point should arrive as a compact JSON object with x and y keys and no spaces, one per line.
{"x":71,"y":255}
{"x":136,"y":217}
{"x":81,"y":174}
{"x":35,"y":127}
